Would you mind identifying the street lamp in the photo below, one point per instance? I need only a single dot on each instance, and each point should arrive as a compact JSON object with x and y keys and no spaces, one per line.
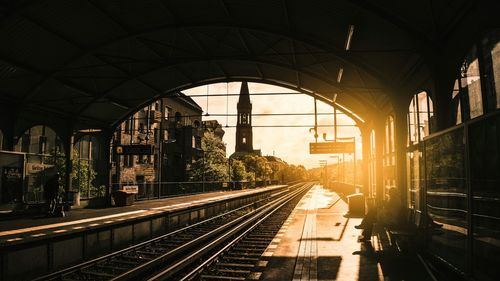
{"x":162,"y":155}
{"x":324,"y":164}
{"x":338,"y":166}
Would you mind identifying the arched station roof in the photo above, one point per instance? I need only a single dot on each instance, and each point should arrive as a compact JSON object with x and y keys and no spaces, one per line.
{"x":90,"y":63}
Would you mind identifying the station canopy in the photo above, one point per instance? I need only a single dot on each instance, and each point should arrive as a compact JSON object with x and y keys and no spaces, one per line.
{"x":92,"y":63}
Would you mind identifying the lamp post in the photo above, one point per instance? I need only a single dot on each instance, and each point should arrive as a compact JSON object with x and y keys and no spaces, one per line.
{"x":324,"y":164}
{"x":338,"y":165}
{"x":163,"y":155}
{"x":203,"y":174}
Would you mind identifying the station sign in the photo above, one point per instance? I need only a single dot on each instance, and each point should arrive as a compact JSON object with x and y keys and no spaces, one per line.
{"x":134,"y":149}
{"x":131,"y":189}
{"x":331,"y":147}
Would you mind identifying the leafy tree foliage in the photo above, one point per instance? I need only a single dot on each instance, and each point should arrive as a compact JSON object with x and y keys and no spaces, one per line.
{"x":239,"y":172}
{"x":82,"y":175}
{"x":212,"y":166}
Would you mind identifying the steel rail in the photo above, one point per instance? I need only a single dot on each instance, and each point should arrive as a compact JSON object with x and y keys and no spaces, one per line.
{"x":59,"y":275}
{"x":137,"y":271}
{"x":247,"y":226}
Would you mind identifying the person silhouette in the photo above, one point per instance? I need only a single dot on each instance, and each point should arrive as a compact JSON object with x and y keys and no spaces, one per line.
{"x":51,"y":190}
{"x":390,"y":214}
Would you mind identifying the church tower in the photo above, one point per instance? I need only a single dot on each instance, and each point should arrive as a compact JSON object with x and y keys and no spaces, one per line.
{"x":244,"y":138}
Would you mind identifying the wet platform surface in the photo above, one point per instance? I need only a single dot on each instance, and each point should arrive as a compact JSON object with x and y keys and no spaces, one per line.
{"x":319,"y":242}
{"x":40,"y":226}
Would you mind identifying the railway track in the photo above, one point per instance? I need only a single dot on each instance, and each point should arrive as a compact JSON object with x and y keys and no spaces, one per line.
{"x":239,"y":255}
{"x":175,"y":250}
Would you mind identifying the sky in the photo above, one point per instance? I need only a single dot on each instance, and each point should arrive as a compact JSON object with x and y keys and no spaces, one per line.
{"x":287,"y":143}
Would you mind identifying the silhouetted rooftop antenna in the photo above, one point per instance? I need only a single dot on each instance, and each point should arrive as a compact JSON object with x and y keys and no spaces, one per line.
{"x":208,"y":89}
{"x":227,"y":104}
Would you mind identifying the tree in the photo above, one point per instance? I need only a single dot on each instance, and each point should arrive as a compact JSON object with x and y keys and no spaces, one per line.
{"x":82,"y":175}
{"x":294,"y":173}
{"x":238,"y":171}
{"x":212,"y":166}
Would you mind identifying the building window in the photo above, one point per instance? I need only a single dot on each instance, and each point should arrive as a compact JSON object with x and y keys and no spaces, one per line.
{"x":167,"y":112}
{"x":244,"y":140}
{"x":129,"y":125}
{"x":178,"y":117}
{"x":244,"y":118}
{"x":196,"y":124}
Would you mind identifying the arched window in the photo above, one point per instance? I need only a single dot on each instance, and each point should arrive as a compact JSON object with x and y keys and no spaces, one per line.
{"x":86,"y":157}
{"x":44,"y":152}
{"x":178,"y":117}
{"x":389,"y":160}
{"x":40,"y":140}
{"x":490,"y":61}
{"x":420,"y":118}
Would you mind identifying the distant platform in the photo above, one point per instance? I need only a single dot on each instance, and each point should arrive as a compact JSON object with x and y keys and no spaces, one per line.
{"x":36,"y":227}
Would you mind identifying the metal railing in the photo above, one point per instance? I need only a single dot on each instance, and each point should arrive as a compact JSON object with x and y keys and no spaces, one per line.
{"x":158,"y":190}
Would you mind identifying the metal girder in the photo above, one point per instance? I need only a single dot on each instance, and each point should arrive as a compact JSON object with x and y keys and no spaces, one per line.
{"x":414,"y":33}
{"x":339,"y":54}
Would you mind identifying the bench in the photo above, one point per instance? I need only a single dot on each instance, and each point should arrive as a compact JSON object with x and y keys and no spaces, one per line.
{"x":401,"y":238}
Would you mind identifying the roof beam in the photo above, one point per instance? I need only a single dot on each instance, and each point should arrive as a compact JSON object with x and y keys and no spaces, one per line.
{"x":346,"y":58}
{"x":414,"y":33}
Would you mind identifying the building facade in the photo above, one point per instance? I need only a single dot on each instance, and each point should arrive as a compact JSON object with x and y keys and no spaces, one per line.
{"x":172,"y":125}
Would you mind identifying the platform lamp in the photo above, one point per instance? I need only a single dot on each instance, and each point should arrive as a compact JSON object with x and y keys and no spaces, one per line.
{"x":338,"y":166}
{"x":324,"y":165}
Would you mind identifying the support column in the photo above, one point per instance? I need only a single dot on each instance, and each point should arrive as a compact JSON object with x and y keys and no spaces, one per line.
{"x":400,"y":139}
{"x":107,"y":165}
{"x":442,"y":96}
{"x":379,"y":148}
{"x":8,"y":142}
{"x":9,"y":136}
{"x":365,"y":139}
{"x":68,"y":160}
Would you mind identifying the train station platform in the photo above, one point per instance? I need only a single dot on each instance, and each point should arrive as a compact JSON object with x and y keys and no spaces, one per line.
{"x":319,"y":242}
{"x":23,"y":229}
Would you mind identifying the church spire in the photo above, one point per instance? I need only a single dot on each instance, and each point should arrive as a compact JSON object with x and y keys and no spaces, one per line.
{"x":244,"y":100}
{"x":244,"y":136}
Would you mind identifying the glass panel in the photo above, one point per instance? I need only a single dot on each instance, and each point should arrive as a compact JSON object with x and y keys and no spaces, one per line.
{"x":471,"y":82}
{"x":412,"y":121}
{"x":415,"y":176}
{"x":455,"y":95}
{"x":446,"y":196}
{"x":491,"y":66}
{"x":389,"y":163}
{"x":391,"y":129}
{"x":485,"y":181}
{"x":423,"y":115}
